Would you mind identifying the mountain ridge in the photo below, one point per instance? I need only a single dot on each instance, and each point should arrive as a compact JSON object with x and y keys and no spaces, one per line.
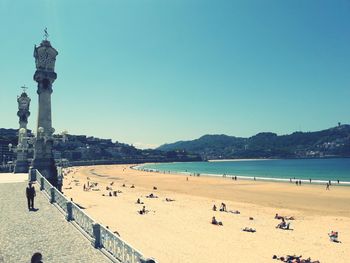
{"x":331,"y":142}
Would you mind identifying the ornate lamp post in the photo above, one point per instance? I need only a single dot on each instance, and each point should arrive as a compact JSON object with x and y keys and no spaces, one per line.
{"x":23,"y":113}
{"x":45,"y":58}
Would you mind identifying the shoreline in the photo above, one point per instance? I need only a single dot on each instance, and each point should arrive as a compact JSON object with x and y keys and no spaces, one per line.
{"x":139,"y":167}
{"x":240,"y":160}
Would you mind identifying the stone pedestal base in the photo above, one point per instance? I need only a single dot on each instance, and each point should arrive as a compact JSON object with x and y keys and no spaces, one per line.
{"x":47,"y":168}
{"x":21,"y":167}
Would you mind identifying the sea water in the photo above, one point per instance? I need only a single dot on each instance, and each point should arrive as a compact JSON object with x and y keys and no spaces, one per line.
{"x":318,"y":170}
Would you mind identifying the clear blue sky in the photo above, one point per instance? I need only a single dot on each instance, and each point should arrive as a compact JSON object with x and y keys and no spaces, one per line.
{"x":151,"y":72}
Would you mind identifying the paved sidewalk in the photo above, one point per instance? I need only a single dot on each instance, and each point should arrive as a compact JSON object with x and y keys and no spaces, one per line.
{"x":12,"y":178}
{"x":22,"y":233}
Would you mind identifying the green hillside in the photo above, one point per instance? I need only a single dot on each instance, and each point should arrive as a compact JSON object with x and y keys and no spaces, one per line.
{"x":333,"y":142}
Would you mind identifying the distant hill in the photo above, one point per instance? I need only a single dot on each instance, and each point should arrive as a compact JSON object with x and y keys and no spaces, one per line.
{"x":333,"y":142}
{"x":86,"y":149}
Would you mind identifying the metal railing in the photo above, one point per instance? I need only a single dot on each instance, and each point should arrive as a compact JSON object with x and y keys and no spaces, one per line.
{"x":101,"y":237}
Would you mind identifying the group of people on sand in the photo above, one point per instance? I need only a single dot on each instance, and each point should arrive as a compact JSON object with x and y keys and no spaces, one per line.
{"x":298,"y":182}
{"x":90,"y":186}
{"x":283,"y":224}
{"x":113,"y":193}
{"x":294,"y":259}
{"x":143,"y":211}
{"x":151,"y":196}
{"x":222,"y":208}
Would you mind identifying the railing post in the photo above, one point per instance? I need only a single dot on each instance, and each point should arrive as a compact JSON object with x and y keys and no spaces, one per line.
{"x":96,"y":230}
{"x":41,"y":183}
{"x":69,"y":211}
{"x":31,"y":175}
{"x":52,"y":191}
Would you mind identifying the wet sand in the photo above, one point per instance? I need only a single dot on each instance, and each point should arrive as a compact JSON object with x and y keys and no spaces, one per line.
{"x":180,"y":231}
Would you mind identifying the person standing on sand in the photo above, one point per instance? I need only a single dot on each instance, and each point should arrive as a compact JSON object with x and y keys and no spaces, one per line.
{"x":30,"y":193}
{"x":327,"y":186}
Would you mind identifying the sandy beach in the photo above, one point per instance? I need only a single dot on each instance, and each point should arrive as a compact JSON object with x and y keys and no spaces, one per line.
{"x":181,"y":230}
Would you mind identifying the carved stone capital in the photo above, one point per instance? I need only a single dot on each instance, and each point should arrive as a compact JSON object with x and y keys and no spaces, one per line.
{"x":44,"y":80}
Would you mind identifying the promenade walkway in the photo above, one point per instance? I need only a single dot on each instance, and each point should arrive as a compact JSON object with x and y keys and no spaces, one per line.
{"x":22,"y":233}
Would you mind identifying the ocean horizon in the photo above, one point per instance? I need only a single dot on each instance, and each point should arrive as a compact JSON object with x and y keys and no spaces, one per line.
{"x":318,"y":170}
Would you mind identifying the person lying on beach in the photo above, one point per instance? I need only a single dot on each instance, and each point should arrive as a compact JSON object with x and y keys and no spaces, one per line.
{"x":151,"y":196}
{"x":123,"y":185}
{"x":109,"y":188}
{"x":169,"y":199}
{"x":133,"y":186}
{"x":249,"y":229}
{"x":155,"y":188}
{"x":214,"y":207}
{"x":277,"y":216}
{"x":215,"y":222}
{"x":234,"y":212}
{"x":289,"y":218}
{"x":112,"y":183}
{"x":139,"y":201}
{"x":333,"y":236}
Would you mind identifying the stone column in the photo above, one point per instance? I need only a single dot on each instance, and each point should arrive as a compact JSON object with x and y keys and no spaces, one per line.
{"x":45,"y":57}
{"x":23,"y":113}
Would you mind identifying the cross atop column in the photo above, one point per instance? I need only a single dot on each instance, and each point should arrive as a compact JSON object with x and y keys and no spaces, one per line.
{"x":24,"y":88}
{"x":46,"y":35}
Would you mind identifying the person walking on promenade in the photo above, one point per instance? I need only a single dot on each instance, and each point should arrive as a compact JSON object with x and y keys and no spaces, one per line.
{"x":30,"y":193}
